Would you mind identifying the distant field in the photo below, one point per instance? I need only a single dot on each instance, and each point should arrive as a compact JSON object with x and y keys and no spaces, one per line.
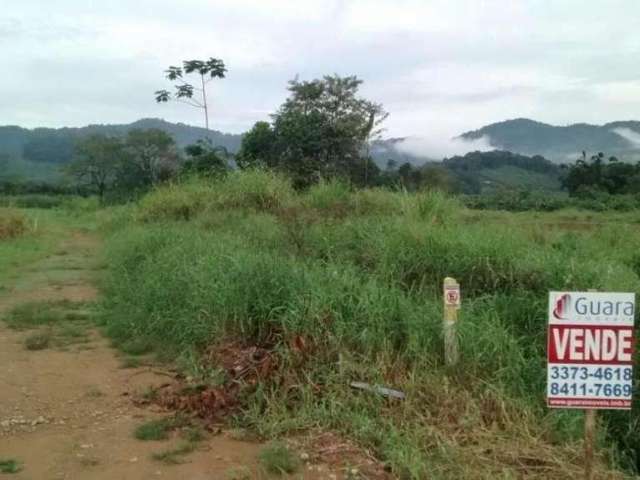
{"x":514,"y":177}
{"x":345,"y":286}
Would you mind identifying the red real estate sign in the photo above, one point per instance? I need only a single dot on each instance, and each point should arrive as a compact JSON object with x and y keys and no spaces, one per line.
{"x":590,"y":347}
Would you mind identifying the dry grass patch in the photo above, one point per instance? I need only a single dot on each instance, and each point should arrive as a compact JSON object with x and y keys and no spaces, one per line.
{"x":12,"y":223}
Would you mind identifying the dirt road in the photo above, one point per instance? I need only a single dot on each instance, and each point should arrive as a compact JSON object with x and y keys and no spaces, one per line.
{"x":66,"y":411}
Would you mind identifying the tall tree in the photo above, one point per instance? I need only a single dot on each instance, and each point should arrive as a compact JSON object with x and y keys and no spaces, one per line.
{"x":258,"y":147}
{"x":96,"y":162}
{"x":323,"y":129}
{"x":205,"y":159}
{"x":188,"y":93}
{"x":151,"y":157}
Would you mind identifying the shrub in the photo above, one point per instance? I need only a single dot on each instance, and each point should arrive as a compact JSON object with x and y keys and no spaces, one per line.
{"x":175,"y":202}
{"x":10,"y":465}
{"x":37,"y":341}
{"x":254,"y":188}
{"x":12,"y":223}
{"x":523,"y":200}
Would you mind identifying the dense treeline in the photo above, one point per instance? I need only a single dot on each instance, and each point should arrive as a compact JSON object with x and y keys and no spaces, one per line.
{"x":324,"y":129}
{"x":525,"y":200}
{"x":124,"y":165}
{"x":586,"y":177}
{"x":598,"y":184}
{"x":17,"y":187}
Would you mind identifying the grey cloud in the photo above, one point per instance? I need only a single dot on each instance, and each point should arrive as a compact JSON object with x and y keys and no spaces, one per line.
{"x":448,"y":66}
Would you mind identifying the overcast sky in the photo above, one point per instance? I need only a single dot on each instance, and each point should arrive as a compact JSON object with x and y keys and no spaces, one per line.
{"x":437,"y":66}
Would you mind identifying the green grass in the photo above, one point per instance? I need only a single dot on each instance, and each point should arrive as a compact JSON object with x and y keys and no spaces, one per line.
{"x":279,"y":459}
{"x":194,"y":434}
{"x":159,"y":429}
{"x":70,"y":333}
{"x":358,"y":276}
{"x":257,"y":189}
{"x":136,"y":346}
{"x":71,"y":317}
{"x":153,"y":430}
{"x":10,"y":465}
{"x":35,"y":314}
{"x":58,"y":324}
{"x":45,"y":228}
{"x":238,"y":473}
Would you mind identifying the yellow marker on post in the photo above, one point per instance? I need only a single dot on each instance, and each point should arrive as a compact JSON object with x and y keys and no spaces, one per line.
{"x":451,"y":295}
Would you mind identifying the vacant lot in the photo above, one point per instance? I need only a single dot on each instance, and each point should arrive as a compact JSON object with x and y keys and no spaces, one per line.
{"x":335,"y":286}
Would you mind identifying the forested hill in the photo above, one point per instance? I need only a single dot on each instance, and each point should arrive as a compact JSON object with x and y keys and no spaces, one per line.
{"x":55,"y":145}
{"x":562,"y":143}
{"x":478,"y":172}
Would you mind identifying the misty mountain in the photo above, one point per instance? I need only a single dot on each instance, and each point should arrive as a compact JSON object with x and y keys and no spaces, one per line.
{"x":561,"y":143}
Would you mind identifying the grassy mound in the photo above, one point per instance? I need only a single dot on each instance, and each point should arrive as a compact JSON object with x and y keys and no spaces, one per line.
{"x":255,"y":189}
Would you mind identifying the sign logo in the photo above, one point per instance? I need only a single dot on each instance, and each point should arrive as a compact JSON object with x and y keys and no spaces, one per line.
{"x":563,"y":304}
{"x":452,"y":296}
